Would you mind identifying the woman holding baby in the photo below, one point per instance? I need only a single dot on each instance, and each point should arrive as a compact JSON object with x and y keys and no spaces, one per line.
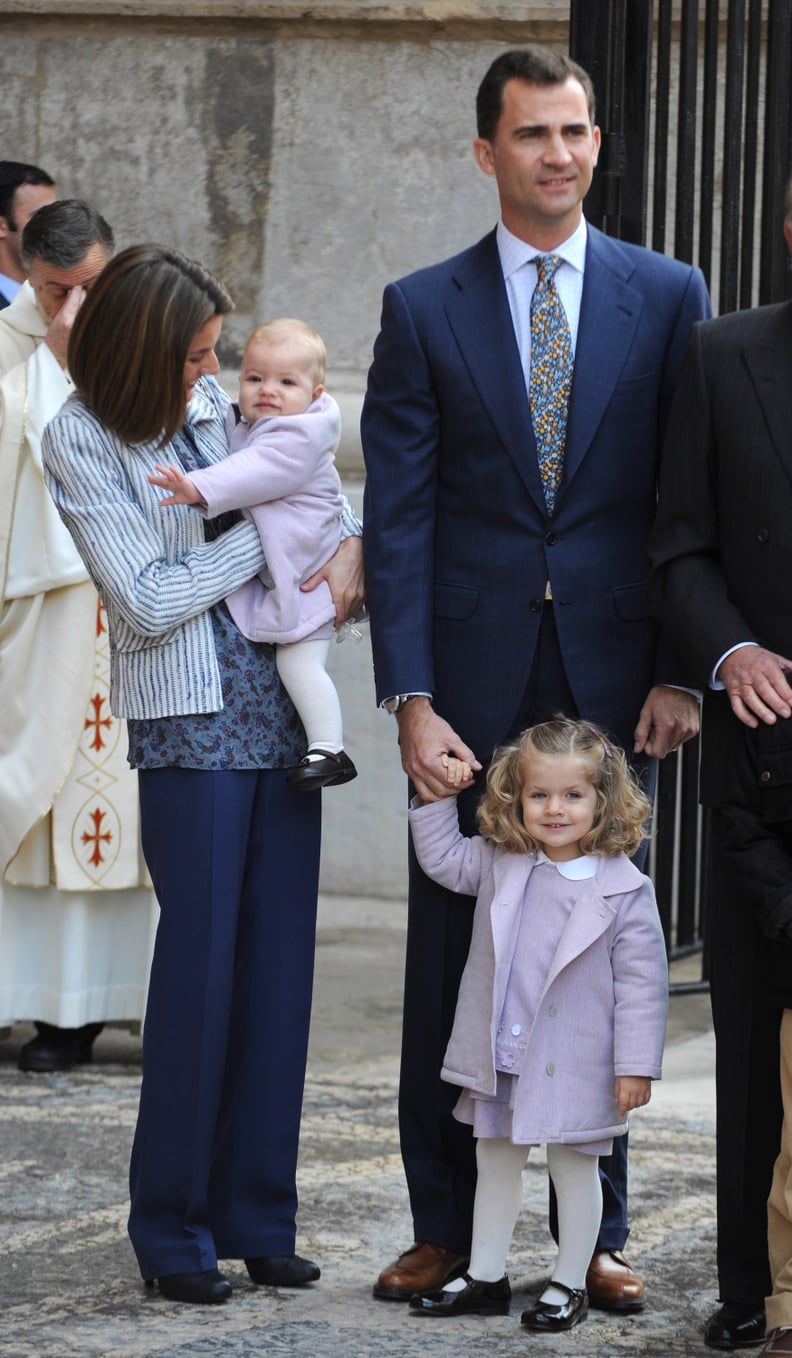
{"x":232,"y":851}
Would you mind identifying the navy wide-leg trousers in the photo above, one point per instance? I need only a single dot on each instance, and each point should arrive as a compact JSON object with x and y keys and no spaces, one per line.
{"x":234,"y":857}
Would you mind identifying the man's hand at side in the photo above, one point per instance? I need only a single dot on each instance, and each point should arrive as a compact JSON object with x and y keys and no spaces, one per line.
{"x":668,"y":718}
{"x":757,"y":684}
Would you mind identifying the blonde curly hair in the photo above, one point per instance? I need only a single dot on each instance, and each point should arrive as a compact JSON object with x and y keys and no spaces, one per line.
{"x":622,"y":807}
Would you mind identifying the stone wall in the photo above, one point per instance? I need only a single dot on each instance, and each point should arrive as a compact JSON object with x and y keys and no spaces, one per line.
{"x":307,"y":153}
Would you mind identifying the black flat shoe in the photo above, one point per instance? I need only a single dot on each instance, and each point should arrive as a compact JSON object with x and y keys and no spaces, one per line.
{"x":735,"y":1326}
{"x":328,"y":771}
{"x":282,"y":1270}
{"x":475,"y":1298}
{"x":201,"y":1289}
{"x":544,"y":1316}
{"x":58,"y":1048}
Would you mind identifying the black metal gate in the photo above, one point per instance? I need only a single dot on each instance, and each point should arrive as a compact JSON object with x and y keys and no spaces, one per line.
{"x":693,"y":100}
{"x":694,"y":105}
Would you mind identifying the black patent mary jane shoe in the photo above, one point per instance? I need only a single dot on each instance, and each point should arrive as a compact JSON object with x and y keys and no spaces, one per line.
{"x":544,"y":1316}
{"x":475,"y":1298}
{"x":282,"y":1270}
{"x":328,"y":770}
{"x":199,"y":1289}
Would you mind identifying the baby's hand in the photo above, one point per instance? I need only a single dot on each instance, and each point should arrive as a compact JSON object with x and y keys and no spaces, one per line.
{"x":458,"y":771}
{"x":632,"y":1091}
{"x":182,"y":490}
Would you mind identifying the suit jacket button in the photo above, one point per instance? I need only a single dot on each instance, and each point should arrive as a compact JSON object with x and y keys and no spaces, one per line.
{"x":551,"y":539}
{"x":535,"y":605}
{"x":764,"y":776}
{"x":762,"y":535}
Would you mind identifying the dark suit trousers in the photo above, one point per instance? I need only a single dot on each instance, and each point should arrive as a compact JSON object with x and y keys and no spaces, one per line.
{"x":748,"y":1094}
{"x":234,"y":857}
{"x":439,"y":1152}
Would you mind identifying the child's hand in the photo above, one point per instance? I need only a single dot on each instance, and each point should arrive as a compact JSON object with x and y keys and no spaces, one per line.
{"x":182,"y":490}
{"x":632,"y":1091}
{"x":458,"y":771}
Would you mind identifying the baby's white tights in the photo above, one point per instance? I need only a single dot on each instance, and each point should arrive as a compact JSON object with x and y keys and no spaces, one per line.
{"x":301,"y":666}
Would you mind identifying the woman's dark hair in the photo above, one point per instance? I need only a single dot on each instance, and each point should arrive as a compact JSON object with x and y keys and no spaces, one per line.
{"x":131,"y":338}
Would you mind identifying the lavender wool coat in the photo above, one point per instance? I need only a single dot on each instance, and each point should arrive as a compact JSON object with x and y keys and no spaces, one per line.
{"x":281,"y":473}
{"x":602,"y":1012}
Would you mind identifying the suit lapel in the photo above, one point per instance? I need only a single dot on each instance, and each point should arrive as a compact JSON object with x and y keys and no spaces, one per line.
{"x":609,"y":315}
{"x":478,"y":313}
{"x":770,"y":366}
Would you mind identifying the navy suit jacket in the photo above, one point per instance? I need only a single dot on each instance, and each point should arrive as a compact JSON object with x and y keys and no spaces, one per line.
{"x":457,"y":538}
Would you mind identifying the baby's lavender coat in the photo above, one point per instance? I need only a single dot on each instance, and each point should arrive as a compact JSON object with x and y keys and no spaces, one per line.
{"x":602,"y":1012}
{"x":281,"y":473}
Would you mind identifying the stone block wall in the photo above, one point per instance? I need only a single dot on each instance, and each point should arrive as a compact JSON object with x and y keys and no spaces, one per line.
{"x":307,"y":153}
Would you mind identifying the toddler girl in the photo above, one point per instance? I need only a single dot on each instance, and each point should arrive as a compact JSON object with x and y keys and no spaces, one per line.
{"x":560,"y":1020}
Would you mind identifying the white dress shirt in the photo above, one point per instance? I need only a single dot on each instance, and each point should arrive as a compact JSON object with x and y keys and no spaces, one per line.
{"x":520,"y":277}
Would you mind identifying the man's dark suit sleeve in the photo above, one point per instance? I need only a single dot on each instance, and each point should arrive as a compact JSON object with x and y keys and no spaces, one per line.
{"x":688,"y":588}
{"x":695,"y":306}
{"x":670,"y":666}
{"x":400,"y":430}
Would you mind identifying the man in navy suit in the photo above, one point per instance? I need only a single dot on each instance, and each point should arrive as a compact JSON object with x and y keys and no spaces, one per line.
{"x":488,"y":610}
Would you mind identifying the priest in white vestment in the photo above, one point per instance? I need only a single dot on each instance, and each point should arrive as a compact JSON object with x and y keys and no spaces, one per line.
{"x":77,"y":912}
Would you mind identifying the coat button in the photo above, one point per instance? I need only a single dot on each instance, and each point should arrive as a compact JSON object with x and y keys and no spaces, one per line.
{"x":765,"y":776}
{"x":763,"y":535}
{"x":551,"y":539}
{"x":550,"y":1068}
{"x":535,"y":605}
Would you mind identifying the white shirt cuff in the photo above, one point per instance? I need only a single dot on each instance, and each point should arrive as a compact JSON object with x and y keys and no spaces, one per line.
{"x":717,"y":684}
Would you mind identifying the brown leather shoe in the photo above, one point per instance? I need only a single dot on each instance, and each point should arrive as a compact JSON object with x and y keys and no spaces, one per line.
{"x":778,"y":1342}
{"x":613,"y":1284}
{"x":421,"y":1268}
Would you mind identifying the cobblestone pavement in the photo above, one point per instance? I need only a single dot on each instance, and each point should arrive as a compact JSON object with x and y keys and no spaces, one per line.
{"x":69,"y":1284}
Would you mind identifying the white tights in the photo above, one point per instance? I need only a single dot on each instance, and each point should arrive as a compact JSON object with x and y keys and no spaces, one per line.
{"x":301,"y":666}
{"x":498,"y":1200}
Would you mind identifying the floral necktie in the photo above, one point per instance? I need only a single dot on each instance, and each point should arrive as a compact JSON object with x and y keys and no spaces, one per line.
{"x":551,"y":375}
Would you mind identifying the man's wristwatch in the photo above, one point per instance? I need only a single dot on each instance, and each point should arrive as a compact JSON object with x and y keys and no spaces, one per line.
{"x":396,"y":703}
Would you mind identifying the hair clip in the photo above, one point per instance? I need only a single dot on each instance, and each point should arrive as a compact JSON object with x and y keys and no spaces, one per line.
{"x":606,"y":747}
